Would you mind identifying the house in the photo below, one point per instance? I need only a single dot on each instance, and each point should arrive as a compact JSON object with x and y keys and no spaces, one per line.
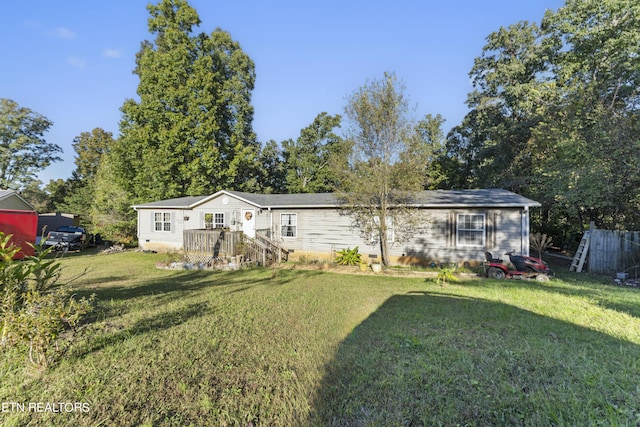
{"x":459,"y":225}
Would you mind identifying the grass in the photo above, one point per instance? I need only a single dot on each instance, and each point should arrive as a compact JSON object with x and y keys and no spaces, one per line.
{"x":316,"y":348}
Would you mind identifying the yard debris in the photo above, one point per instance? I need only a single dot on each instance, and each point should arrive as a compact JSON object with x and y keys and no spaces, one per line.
{"x":177,"y":265}
{"x":114,"y":249}
{"x":623,"y":279}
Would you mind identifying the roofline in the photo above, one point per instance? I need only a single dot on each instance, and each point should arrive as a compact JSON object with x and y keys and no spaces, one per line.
{"x":334,"y":206}
{"x":15,"y":193}
{"x":338,"y":206}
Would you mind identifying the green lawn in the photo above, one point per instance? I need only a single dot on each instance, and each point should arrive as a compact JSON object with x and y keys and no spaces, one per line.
{"x":317,"y":348}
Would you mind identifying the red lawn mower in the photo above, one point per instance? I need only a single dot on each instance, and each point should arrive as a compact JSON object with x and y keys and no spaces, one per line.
{"x":526,"y":267}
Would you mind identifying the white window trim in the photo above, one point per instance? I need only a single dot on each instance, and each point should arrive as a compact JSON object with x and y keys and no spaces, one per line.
{"x":214,"y":224}
{"x":284,"y":226}
{"x":163,"y":221}
{"x":459,"y":228}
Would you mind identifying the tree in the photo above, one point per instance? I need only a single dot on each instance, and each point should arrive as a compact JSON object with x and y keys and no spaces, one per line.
{"x":307,"y":159}
{"x":23,"y":149}
{"x":111,"y":214}
{"x":429,"y":130}
{"x":36,"y":196}
{"x":79,"y":190}
{"x":191,"y":132}
{"x":554,"y":115}
{"x":379,"y":180}
{"x":595,"y":124}
{"x":90,"y":147}
{"x":272,"y":171}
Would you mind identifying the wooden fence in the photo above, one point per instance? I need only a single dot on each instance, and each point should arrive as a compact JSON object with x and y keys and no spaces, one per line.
{"x":612,"y":252}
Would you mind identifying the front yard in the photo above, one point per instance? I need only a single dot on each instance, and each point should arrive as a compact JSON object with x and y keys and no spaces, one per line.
{"x":302,"y":347}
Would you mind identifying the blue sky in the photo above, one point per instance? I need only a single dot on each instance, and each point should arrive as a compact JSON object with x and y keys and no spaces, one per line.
{"x":72,"y":61}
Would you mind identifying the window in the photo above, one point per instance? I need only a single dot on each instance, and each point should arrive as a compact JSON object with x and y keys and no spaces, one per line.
{"x":162,"y":221}
{"x":289,"y":225}
{"x":470,"y":230}
{"x":213,"y":220}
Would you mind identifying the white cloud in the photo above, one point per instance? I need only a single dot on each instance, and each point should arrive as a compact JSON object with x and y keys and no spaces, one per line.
{"x":77,"y":62}
{"x":111,"y":53}
{"x":63,"y":33}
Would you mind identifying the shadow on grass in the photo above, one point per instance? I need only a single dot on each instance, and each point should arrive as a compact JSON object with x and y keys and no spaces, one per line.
{"x":165,"y":320}
{"x":177,"y":285}
{"x":437,"y":359}
{"x":113,"y":302}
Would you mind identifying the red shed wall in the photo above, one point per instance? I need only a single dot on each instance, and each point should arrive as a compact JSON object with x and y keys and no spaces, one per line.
{"x":23,"y":226}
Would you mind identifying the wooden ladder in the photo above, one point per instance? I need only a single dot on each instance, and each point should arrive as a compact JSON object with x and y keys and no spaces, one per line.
{"x":581,"y":253}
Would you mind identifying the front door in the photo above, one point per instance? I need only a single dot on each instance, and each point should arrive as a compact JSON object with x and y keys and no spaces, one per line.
{"x":249,"y":222}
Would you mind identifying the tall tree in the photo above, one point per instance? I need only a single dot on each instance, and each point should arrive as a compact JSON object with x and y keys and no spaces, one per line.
{"x":23,"y":149}
{"x":595,"y":128}
{"x":432,"y":140}
{"x":555,"y":116}
{"x":79,"y":194}
{"x":89,"y":148}
{"x":191,"y":130}
{"x":111,"y":214}
{"x":307,"y":159}
{"x":506,"y":105}
{"x":272,"y":170}
{"x":379,"y":182}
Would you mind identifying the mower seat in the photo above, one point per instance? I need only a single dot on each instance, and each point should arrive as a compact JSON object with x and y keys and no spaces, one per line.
{"x":489,"y":257}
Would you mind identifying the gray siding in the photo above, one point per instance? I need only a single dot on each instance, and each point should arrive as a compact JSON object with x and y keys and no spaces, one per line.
{"x":323,"y":231}
{"x":326,"y":231}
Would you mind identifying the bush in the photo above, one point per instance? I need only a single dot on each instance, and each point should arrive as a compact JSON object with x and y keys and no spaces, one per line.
{"x":34,"y":307}
{"x":348,"y":257}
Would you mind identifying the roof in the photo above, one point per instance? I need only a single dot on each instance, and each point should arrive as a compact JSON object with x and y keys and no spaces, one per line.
{"x":434,"y":199}
{"x":5,"y":194}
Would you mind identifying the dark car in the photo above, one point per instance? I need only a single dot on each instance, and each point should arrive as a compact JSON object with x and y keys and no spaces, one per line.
{"x":67,"y":238}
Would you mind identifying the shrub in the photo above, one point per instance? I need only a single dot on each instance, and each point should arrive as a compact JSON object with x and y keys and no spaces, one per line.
{"x":540,"y":242}
{"x":34,"y":307}
{"x":348,"y":257}
{"x":445,"y":275}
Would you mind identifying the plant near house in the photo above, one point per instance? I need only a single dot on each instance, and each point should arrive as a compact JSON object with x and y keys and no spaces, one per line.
{"x":446,"y":274}
{"x":348,"y":256}
{"x":35,"y":308}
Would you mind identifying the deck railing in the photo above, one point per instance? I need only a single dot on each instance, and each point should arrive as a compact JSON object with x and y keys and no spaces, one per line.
{"x":212,"y":246}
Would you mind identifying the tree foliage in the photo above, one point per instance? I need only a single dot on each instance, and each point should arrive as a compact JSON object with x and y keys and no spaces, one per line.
{"x":190,"y":133}
{"x":307,"y":159}
{"x":23,"y":148}
{"x":190,"y":130}
{"x":554,"y":116}
{"x":78,"y":192}
{"x":379,"y":180}
{"x":272,"y":171}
